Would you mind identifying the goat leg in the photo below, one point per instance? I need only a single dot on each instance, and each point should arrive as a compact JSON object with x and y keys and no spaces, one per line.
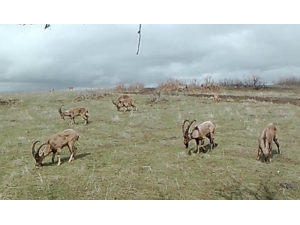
{"x":277,"y":144}
{"x":269,"y":158}
{"x":72,"y":149}
{"x":53,"y":156}
{"x":71,"y":157}
{"x":259,"y":150}
{"x":257,"y":157}
{"x":58,"y":156}
{"x":202,"y":145}
{"x":211,"y":143}
{"x":85,"y":120}
{"x":197,"y":143}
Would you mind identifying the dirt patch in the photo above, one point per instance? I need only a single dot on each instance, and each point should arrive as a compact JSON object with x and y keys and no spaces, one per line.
{"x":276,"y":100}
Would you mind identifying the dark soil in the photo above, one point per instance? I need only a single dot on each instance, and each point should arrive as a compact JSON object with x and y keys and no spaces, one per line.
{"x":276,"y":100}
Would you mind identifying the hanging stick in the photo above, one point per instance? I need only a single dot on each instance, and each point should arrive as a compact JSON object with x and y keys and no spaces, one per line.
{"x":139,"y":32}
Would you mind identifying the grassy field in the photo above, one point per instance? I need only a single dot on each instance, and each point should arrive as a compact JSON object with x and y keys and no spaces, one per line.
{"x":140,"y":154}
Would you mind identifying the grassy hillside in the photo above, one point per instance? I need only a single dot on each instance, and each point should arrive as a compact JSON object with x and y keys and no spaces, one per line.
{"x":140,"y":155}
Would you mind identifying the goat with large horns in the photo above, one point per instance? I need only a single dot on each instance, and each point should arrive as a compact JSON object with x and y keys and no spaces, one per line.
{"x":125,"y":101}
{"x":73,"y":112}
{"x":54,"y":145}
{"x":198,"y":133}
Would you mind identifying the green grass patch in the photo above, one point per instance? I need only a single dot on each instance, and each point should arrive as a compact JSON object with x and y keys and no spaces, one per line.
{"x":140,"y":154}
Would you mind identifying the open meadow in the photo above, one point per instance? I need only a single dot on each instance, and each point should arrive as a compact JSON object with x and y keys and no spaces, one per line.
{"x":140,"y":154}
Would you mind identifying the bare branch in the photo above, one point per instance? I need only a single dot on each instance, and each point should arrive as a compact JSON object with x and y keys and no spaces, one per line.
{"x":47,"y":26}
{"x":140,"y":33}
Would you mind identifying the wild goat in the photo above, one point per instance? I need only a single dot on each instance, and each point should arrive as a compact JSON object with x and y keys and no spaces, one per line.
{"x":268,"y":135}
{"x":181,"y":87}
{"x":70,"y":88}
{"x":122,"y":97}
{"x":73,"y":112}
{"x":54,"y":145}
{"x":118,"y":102}
{"x":124,"y":101}
{"x":52,"y":90}
{"x":217,"y":97}
{"x":199,"y":133}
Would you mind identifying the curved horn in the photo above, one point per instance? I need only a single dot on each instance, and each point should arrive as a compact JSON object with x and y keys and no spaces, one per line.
{"x":188,"y":128}
{"x":59,"y":109}
{"x":33,"y":148}
{"x":38,"y":151}
{"x":183,"y":125}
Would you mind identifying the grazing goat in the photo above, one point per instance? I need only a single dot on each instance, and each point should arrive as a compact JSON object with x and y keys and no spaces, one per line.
{"x":73,"y":112}
{"x":54,"y":145}
{"x":70,"y":88}
{"x":217,"y":97}
{"x":122,"y":98}
{"x":268,"y":135}
{"x":125,"y":101}
{"x":181,"y":87}
{"x":199,"y":133}
{"x":52,"y":90}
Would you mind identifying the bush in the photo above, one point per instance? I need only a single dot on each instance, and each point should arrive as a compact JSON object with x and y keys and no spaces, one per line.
{"x":287,"y":81}
{"x":130,"y":88}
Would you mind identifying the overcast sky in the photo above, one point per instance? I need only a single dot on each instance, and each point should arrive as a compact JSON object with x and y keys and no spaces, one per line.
{"x":32,"y":58}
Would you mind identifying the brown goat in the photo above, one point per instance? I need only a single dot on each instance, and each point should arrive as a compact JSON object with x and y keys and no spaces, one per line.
{"x":54,"y":145}
{"x":73,"y":112}
{"x":124,"y":101}
{"x":217,"y":97}
{"x":122,"y":97}
{"x":199,"y":133}
{"x":181,"y":87}
{"x":268,"y":135}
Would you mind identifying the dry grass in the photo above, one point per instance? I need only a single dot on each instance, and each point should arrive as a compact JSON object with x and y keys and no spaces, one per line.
{"x":131,"y":88}
{"x":140,"y":155}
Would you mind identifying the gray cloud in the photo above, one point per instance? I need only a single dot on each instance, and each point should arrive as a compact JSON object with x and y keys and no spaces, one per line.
{"x":32,"y":58}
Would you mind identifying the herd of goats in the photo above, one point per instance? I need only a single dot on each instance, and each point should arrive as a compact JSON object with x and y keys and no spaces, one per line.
{"x":199,"y":133}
